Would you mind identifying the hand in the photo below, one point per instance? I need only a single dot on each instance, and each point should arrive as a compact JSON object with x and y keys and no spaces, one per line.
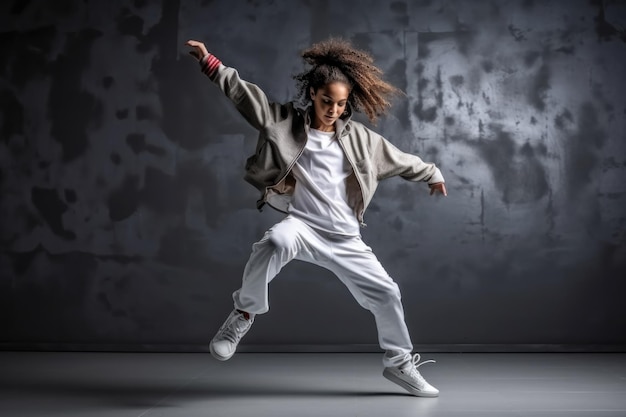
{"x":438,"y":187}
{"x":198,"y":50}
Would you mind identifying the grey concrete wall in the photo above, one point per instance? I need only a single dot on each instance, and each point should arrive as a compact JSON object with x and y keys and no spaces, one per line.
{"x":125,"y":219}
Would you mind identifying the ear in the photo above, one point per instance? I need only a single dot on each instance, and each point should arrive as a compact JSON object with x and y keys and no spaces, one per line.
{"x":312,"y":93}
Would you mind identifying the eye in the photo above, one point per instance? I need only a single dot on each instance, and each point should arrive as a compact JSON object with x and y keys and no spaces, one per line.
{"x":327,"y":101}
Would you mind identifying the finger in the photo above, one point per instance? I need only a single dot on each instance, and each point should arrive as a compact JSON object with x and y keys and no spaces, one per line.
{"x":198,"y":45}
{"x":432,"y":190}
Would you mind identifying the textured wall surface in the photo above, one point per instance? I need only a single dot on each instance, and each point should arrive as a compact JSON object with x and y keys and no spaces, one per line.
{"x":125,"y":219}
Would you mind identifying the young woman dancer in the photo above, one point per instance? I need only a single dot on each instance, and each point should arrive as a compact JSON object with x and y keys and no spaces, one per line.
{"x":321,"y":168}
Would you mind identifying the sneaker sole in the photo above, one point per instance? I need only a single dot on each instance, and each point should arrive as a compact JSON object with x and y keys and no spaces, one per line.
{"x":410,"y":388}
{"x":217,"y":356}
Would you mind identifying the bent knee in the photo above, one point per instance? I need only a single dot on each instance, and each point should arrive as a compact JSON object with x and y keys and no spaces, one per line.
{"x":393,"y":291}
{"x":281,"y":238}
{"x":388,"y":294}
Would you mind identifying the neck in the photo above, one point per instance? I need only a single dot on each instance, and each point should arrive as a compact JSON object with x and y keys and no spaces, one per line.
{"x":324,"y":128}
{"x":317,"y":125}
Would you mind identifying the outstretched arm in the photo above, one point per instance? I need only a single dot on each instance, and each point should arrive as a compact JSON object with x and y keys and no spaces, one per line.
{"x":391,"y":161}
{"x":248,"y":98}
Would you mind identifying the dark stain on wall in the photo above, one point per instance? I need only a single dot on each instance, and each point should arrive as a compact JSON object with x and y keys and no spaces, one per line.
{"x":563,"y":119}
{"x":130,"y":24}
{"x":143,"y":112}
{"x":51,"y":208}
{"x":423,"y":111}
{"x":400,"y":9}
{"x":530,"y":57}
{"x":464,"y":37}
{"x":19,"y":6}
{"x":115,"y":158}
{"x":517,"y":172}
{"x":605,"y":30}
{"x":137,"y":142}
{"x":70,"y":195}
{"x":107,"y":82}
{"x":121,"y":114}
{"x":72,"y":110}
{"x":517,"y":33}
{"x":582,"y":150}
{"x":22,"y":260}
{"x":428,"y":114}
{"x":12,"y":118}
{"x":27,"y":58}
{"x":487,"y":66}
{"x":124,"y":200}
{"x":539,"y":88}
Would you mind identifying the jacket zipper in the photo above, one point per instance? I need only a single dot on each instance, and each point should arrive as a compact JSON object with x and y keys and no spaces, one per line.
{"x":289,"y":168}
{"x":362,"y":214}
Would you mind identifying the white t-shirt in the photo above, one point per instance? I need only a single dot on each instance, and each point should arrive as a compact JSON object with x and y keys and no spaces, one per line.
{"x":320,"y":197}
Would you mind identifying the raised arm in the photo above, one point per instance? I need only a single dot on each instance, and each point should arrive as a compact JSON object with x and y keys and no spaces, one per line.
{"x":248,"y":98}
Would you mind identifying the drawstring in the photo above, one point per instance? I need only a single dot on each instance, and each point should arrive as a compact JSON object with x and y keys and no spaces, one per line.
{"x":416,"y":361}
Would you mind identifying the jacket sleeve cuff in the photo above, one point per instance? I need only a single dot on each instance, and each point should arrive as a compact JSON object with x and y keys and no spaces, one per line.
{"x":209,"y":65}
{"x":436,"y":177}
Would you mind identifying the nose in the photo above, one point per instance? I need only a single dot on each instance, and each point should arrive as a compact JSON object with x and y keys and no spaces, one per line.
{"x":333,"y":109}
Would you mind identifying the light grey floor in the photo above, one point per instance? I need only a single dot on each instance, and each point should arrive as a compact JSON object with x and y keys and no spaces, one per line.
{"x":300,"y":385}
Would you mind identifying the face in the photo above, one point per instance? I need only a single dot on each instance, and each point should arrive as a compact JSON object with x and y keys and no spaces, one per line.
{"x":329,"y":103}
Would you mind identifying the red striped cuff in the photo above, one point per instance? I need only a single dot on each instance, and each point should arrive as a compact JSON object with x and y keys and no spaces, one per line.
{"x":209,"y":65}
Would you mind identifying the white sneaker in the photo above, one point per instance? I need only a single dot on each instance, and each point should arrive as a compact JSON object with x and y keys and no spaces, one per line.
{"x":227,"y":338}
{"x":409,"y":378}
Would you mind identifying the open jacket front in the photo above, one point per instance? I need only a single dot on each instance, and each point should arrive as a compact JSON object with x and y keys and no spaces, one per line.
{"x":283,"y":132}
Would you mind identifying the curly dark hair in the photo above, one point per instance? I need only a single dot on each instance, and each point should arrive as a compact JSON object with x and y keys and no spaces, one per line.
{"x":336,"y":60}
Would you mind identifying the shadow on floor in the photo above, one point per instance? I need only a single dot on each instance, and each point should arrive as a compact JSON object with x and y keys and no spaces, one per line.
{"x":142,"y":393}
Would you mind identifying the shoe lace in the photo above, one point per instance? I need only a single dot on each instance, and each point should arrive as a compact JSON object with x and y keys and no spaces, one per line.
{"x":415,"y":363}
{"x":233,"y":329}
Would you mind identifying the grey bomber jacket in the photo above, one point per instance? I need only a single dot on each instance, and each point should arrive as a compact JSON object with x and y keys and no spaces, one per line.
{"x":283,"y":131}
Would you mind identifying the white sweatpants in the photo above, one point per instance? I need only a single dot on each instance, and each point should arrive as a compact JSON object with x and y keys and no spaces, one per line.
{"x":349,"y":258}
